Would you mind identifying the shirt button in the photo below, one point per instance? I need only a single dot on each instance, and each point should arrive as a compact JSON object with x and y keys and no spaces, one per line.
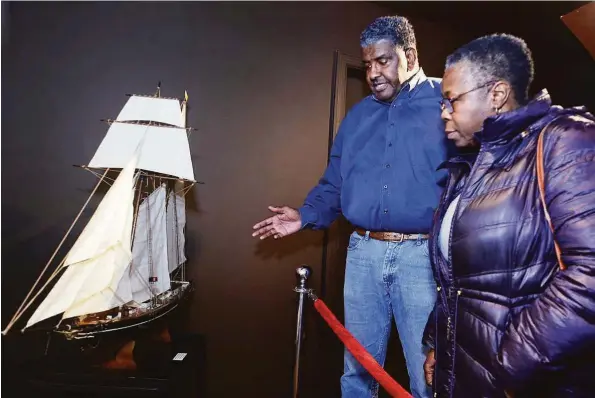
{"x":387,"y":165}
{"x":392,"y":125}
{"x":385,"y":211}
{"x":386,"y":187}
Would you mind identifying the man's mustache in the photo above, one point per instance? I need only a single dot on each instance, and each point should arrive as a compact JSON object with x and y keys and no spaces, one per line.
{"x":377,"y":82}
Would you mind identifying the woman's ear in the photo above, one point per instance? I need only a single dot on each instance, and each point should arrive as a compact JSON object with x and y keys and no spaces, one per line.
{"x":501,"y":95}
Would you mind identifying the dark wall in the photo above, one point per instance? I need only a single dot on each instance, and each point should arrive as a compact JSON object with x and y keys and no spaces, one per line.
{"x":259,"y":80}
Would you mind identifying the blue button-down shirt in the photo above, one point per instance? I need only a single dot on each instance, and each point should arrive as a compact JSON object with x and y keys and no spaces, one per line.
{"x":382,"y":173}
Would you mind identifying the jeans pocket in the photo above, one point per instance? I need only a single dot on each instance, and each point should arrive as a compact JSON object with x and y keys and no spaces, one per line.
{"x":354,"y":241}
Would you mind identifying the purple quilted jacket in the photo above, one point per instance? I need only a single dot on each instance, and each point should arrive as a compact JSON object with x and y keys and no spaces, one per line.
{"x":506,"y":317}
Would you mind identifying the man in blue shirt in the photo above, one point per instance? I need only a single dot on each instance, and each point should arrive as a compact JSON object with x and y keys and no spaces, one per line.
{"x":383,"y":177}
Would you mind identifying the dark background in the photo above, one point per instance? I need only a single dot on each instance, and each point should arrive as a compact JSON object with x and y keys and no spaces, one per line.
{"x":259,"y":80}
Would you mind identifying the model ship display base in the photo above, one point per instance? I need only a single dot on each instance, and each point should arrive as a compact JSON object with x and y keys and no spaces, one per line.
{"x":160,"y":359}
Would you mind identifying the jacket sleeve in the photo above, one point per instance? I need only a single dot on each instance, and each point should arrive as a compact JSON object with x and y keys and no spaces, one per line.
{"x":561,"y":322}
{"x":322,"y":206}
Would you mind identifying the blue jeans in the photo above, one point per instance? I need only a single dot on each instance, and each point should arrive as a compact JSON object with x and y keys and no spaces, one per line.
{"x":382,"y":280}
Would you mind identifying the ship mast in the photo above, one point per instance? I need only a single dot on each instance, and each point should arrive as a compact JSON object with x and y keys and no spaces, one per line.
{"x":167,"y":209}
{"x":183,"y":266}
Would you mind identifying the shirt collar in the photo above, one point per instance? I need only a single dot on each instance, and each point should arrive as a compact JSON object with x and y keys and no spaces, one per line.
{"x":414,"y":81}
{"x":408,"y":87}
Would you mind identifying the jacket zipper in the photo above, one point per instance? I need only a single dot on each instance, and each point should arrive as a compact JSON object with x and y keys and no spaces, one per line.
{"x":449,"y":267}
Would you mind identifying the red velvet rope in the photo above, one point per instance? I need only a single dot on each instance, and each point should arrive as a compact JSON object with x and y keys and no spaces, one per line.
{"x":360,"y":353}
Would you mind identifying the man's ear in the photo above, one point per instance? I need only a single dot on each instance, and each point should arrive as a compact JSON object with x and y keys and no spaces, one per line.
{"x":411,"y":55}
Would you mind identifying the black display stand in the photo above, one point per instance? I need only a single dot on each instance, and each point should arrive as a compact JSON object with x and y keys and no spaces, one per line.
{"x":160,"y":373}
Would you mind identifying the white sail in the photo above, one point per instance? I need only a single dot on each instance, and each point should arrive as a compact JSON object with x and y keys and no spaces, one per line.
{"x":162,"y":150}
{"x":149,"y":250}
{"x":176,"y":215}
{"x":97,"y":261}
{"x":156,"y":109}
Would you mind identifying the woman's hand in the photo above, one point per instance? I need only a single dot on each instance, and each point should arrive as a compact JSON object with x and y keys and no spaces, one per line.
{"x":429,"y":367}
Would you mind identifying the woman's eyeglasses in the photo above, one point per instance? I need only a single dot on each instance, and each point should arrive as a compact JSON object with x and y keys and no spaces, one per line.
{"x":446,"y":103}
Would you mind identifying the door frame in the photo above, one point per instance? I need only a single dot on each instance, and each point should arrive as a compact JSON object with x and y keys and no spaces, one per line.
{"x":342,"y":62}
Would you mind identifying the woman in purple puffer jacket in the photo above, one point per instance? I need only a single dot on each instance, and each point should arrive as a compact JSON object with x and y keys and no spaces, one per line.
{"x":510,"y":318}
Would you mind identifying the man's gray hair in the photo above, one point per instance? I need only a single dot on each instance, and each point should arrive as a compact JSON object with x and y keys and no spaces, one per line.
{"x":397,"y":30}
{"x":498,"y":57}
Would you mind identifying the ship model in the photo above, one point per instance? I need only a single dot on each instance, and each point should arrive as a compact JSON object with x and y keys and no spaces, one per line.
{"x":128,"y":266}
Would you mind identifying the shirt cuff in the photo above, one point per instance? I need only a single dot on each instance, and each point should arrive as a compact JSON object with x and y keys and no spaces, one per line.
{"x":309,"y":217}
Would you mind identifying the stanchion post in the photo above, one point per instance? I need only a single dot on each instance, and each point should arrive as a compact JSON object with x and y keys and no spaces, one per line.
{"x":303,"y":273}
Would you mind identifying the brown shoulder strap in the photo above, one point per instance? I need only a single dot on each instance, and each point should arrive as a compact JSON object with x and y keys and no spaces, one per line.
{"x":541,"y":183}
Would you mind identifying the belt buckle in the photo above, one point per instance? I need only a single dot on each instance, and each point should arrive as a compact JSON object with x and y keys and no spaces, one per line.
{"x":402,"y":238}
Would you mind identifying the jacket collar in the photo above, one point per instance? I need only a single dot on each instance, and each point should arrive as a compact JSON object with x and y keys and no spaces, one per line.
{"x":500,"y":129}
{"x":507,"y":127}
{"x":503,"y":128}
{"x":462,"y":158}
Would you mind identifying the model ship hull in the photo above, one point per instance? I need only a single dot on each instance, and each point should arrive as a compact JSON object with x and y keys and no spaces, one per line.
{"x":125,"y":317}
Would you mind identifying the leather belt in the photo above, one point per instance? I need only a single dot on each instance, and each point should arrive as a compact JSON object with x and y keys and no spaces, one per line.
{"x":392,"y":236}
